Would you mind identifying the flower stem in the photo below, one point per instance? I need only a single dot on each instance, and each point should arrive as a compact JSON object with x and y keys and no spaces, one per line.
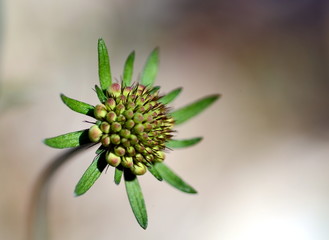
{"x":37,"y":212}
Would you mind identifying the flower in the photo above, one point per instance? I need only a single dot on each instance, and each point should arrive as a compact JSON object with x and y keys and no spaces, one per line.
{"x":134,"y":126}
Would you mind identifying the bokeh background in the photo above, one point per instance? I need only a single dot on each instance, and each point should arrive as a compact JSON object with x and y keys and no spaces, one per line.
{"x":262,"y":169}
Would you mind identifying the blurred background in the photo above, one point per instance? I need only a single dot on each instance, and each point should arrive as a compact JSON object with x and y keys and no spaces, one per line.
{"x":262,"y":169}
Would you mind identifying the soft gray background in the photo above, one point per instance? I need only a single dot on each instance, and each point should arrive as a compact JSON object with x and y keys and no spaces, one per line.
{"x":262,"y":169}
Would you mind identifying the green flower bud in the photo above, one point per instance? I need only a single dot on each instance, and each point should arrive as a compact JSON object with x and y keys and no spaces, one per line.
{"x":112,"y":159}
{"x":138,"y":168}
{"x":127,"y":162}
{"x":95,"y":134}
{"x":139,"y":148}
{"x":120,"y":108}
{"x":160,"y":156}
{"x":116,"y":127}
{"x":125,"y":142}
{"x":128,"y":114}
{"x":133,"y":139}
{"x":139,"y":157}
{"x":131,"y":151}
{"x":111,"y":117}
{"x":105,"y":140}
{"x":125,"y":133}
{"x":100,"y":111}
{"x":139,"y":128}
{"x":120,"y":151}
{"x":126,"y":91}
{"x":105,"y":127}
{"x":148,"y":126}
{"x":110,"y":104}
{"x":115,"y":139}
{"x":131,"y":105}
{"x":114,"y":89}
{"x":138,"y":118}
{"x":129,"y":124}
{"x":121,"y":119}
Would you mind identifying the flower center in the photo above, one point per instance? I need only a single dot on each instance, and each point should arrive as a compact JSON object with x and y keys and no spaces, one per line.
{"x":133,"y":127}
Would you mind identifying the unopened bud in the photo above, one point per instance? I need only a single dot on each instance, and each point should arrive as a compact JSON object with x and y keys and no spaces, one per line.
{"x":138,"y":169}
{"x":105,"y":127}
{"x":105,"y":140}
{"x":115,"y":139}
{"x":116,"y":127}
{"x":95,"y":133}
{"x":110,"y":103}
{"x":100,"y":111}
{"x":115,"y":89}
{"x":120,"y":151}
{"x":112,"y":159}
{"x":111,"y":117}
{"x":127,"y":162}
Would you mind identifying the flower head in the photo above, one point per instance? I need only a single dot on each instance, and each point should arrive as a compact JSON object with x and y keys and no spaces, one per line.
{"x":133,"y":126}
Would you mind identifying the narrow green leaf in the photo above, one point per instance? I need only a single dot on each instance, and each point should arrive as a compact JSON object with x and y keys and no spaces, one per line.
{"x":185,"y":113}
{"x":100,"y":94}
{"x":170,"y":177}
{"x":154,"y":172}
{"x":154,"y":89}
{"x":117,"y":175}
{"x":68,"y":140}
{"x":91,"y":174}
{"x":78,"y":106}
{"x":136,"y":198}
{"x":183,"y":143}
{"x":128,"y":69}
{"x":170,"y":96}
{"x":151,"y":68}
{"x":104,"y":69}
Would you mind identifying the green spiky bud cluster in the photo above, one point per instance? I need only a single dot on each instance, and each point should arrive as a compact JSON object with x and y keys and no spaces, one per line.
{"x":133,"y":127}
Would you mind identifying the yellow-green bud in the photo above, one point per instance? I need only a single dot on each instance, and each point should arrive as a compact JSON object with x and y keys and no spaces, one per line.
{"x":116,"y":127}
{"x":120,"y":151}
{"x":110,"y":103}
{"x":112,"y":159}
{"x":115,"y":139}
{"x":129,"y":124}
{"x":139,"y":128}
{"x":138,"y":168}
{"x":111,"y":117}
{"x":105,"y":127}
{"x":95,"y":133}
{"x":127,"y":162}
{"x":114,"y":89}
{"x":105,"y":140}
{"x":100,"y":111}
{"x":125,"y":133}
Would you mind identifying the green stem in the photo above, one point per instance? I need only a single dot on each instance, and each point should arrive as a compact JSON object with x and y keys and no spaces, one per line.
{"x":37,"y":212}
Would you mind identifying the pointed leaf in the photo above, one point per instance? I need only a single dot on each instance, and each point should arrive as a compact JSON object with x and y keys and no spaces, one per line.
{"x":154,"y":89}
{"x":170,"y":177}
{"x":154,"y":172}
{"x":100,"y":94}
{"x":151,"y":68}
{"x":183,"y":143}
{"x":170,"y":96}
{"x":128,"y":69}
{"x":104,"y":69}
{"x":185,"y":113}
{"x":136,"y":198}
{"x":91,"y":175}
{"x":117,"y":175}
{"x":68,"y":140}
{"x":78,"y":106}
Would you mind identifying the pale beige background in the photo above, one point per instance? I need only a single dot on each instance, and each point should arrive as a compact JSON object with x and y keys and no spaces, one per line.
{"x":262,"y":169}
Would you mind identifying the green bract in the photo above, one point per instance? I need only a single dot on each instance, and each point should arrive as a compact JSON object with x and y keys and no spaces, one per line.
{"x":133,"y":126}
